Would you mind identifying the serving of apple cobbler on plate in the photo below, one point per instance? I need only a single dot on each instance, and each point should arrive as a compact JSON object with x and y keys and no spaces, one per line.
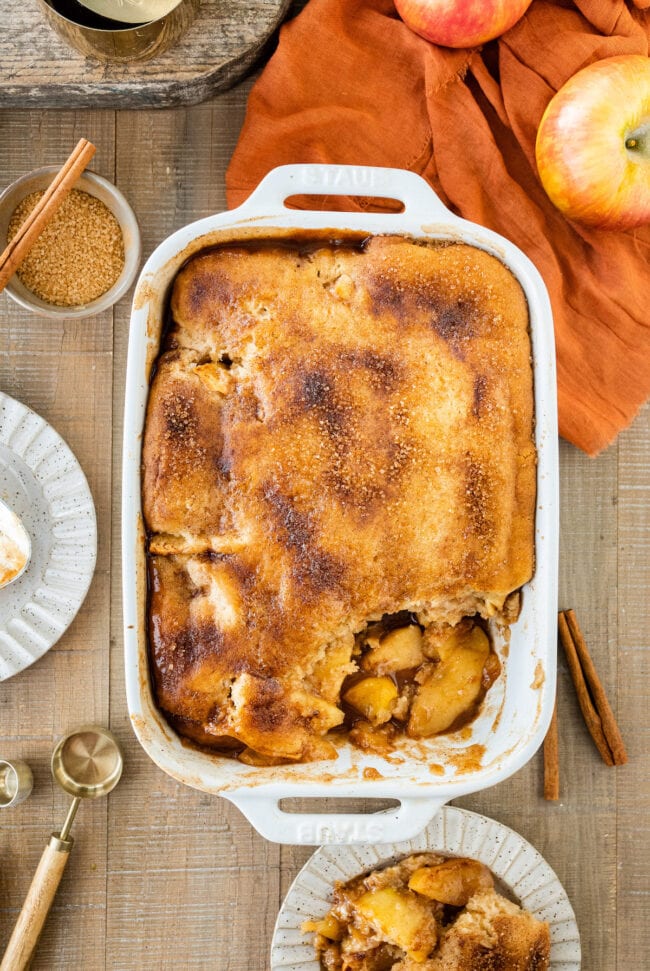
{"x":428,"y":913}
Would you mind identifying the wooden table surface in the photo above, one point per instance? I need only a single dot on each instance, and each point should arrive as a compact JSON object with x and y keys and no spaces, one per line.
{"x":165,"y":877}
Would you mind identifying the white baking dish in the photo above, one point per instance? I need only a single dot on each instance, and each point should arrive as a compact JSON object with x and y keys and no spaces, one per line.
{"x":422,"y":775}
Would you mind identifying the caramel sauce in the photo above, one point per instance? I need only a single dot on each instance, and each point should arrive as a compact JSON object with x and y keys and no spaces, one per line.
{"x":371,"y":774}
{"x":407,"y":678}
{"x":469,"y":760}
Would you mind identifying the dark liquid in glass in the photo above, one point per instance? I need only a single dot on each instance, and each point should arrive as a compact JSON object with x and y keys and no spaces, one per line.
{"x":79,"y":14}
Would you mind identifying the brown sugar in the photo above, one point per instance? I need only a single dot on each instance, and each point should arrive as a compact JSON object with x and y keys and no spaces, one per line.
{"x":78,"y":256}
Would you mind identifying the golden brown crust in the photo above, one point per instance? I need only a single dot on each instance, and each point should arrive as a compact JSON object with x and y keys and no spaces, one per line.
{"x":333,"y":434}
{"x":485,"y":939}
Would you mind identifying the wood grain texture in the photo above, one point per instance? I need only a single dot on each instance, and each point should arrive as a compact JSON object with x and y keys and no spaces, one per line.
{"x":38,"y":68}
{"x":39,"y":900}
{"x":63,"y":370}
{"x":633,"y":817}
{"x":162,"y":876}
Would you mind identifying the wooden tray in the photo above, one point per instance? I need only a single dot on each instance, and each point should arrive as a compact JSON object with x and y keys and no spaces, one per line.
{"x":37,"y":68}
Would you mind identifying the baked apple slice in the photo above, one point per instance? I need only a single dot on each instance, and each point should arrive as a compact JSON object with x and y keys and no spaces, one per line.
{"x":454,"y":684}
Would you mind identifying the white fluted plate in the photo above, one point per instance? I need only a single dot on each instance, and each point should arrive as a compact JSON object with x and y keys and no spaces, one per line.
{"x":455,"y":832}
{"x":41,"y":480}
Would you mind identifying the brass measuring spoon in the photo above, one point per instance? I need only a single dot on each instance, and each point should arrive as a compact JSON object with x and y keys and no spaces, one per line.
{"x":87,"y":763}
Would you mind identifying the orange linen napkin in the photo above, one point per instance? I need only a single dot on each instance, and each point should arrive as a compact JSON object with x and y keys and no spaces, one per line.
{"x":350,"y":83}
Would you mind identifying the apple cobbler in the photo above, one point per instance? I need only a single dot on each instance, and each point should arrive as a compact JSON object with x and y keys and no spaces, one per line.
{"x":338,"y":489}
{"x":428,"y":913}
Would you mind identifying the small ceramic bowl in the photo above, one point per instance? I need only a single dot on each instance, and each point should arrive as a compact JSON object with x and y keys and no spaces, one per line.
{"x":107,"y":193}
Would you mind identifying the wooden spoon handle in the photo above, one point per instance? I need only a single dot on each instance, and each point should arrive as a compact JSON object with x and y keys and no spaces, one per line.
{"x":37,"y":905}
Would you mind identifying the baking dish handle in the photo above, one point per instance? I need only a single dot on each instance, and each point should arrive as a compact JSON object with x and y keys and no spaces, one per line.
{"x":416,"y":195}
{"x":314,"y":829}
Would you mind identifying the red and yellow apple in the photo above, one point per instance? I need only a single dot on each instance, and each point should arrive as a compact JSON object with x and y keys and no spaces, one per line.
{"x":461,"y":23}
{"x":593,"y":144}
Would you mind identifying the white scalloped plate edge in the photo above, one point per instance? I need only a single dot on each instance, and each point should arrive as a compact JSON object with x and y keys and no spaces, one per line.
{"x":457,"y":832}
{"x":59,"y":513}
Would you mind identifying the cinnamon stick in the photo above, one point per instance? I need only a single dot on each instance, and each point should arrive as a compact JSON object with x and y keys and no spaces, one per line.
{"x":41,"y":214}
{"x":610,"y":728}
{"x":589,"y":713}
{"x":552,"y":760}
